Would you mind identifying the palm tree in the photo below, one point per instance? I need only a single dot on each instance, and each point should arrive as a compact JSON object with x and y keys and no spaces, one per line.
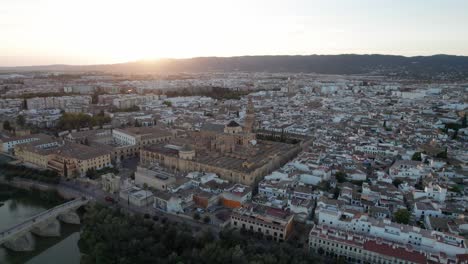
{"x":145,"y":187}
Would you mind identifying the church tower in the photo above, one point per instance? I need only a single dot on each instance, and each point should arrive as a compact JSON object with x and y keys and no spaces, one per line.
{"x":249,"y":117}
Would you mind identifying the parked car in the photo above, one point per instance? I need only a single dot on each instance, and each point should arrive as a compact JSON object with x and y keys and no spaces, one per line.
{"x":109,"y":199}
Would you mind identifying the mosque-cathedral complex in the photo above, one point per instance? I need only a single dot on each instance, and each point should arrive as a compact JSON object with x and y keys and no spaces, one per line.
{"x":232,"y":151}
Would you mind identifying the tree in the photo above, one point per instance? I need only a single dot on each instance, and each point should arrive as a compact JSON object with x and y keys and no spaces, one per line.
{"x":70,"y":121}
{"x":419,"y":184}
{"x":134,"y":239}
{"x":397,"y":182}
{"x":95,"y":97}
{"x":456,"y":189}
{"x":20,"y":120}
{"x":336,"y":193}
{"x":91,"y":173}
{"x":321,"y":251}
{"x":340,"y":176}
{"x":145,"y":187}
{"x":196,"y":216}
{"x":442,"y":155}
{"x":417,"y":156}
{"x":6,"y":125}
{"x":168,"y":103}
{"x":402,"y":216}
{"x":65,"y":170}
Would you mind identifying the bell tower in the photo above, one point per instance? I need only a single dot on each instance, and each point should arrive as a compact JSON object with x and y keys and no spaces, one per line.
{"x":249,"y":117}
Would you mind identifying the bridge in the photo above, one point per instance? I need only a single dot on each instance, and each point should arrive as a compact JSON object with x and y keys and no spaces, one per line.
{"x":19,"y":237}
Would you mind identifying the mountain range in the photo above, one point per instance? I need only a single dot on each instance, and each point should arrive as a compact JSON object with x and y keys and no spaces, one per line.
{"x":323,"y":64}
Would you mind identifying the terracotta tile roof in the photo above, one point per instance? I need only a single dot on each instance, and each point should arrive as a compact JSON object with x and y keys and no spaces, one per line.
{"x":395,"y":251}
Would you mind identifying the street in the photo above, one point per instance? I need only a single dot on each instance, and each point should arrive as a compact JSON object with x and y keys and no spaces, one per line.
{"x":100,"y":197}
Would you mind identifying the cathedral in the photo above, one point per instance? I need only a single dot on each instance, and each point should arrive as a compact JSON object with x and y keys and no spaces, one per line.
{"x":232,"y":151}
{"x":232,"y":138}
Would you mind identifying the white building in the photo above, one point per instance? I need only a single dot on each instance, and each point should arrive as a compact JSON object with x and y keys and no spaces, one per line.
{"x":123,"y":138}
{"x":137,"y":196}
{"x":406,"y":169}
{"x":355,"y":248}
{"x":421,"y":209}
{"x":110,"y":182}
{"x":168,"y":202}
{"x":9,"y":143}
{"x":420,"y":239}
{"x":435,"y":192}
{"x":376,"y":150}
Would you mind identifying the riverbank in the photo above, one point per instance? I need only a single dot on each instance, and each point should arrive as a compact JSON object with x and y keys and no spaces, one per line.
{"x":32,"y":195}
{"x":22,"y":200}
{"x":26,"y":184}
{"x":22,"y":206}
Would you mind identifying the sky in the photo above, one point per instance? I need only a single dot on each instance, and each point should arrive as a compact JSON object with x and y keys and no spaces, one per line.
{"x":40,"y":32}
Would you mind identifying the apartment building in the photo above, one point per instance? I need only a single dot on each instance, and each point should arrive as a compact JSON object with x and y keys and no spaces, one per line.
{"x":355,"y":248}
{"x":420,"y":239}
{"x":67,"y":103}
{"x":236,"y":196}
{"x":67,"y":158}
{"x":8,"y":144}
{"x":141,"y":136}
{"x":131,"y":100}
{"x":406,"y":169}
{"x":269,"y":221}
{"x":378,"y":149}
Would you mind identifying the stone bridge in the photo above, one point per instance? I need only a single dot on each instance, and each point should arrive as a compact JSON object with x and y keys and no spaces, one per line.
{"x":20,"y":238}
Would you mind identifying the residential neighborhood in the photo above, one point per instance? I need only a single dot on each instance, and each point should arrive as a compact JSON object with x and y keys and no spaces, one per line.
{"x":374,"y":170}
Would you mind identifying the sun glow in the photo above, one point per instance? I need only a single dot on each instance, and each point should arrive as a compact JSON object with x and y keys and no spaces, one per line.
{"x":109,"y":31}
{"x":131,"y":30}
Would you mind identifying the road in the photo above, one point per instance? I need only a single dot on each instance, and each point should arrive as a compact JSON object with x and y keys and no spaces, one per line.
{"x":77,"y":189}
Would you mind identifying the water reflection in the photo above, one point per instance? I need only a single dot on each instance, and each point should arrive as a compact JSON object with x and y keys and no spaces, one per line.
{"x":63,"y":249}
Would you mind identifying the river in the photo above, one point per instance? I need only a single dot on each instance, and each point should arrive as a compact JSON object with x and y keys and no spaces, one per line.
{"x":63,"y":249}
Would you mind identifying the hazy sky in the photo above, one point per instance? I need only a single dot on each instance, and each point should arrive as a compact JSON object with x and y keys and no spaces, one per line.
{"x":107,"y":31}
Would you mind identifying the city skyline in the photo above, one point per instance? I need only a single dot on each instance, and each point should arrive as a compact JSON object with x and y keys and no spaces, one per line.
{"x":63,"y":32}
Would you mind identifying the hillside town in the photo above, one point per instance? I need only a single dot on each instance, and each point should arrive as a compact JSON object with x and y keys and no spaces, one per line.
{"x":367,"y":169}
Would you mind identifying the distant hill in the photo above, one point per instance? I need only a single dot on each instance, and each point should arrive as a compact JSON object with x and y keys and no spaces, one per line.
{"x":324,"y":64}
